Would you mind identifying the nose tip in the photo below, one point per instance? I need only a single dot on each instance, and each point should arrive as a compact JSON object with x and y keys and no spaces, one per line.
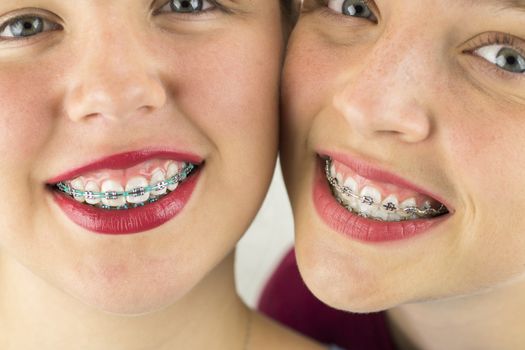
{"x":114,"y":96}
{"x":372,"y":113}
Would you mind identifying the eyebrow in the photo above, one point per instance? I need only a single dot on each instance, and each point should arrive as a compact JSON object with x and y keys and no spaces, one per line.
{"x":502,"y":4}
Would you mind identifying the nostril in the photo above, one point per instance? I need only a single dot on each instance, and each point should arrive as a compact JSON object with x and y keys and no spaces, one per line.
{"x":389,"y":133}
{"x":92,"y":115}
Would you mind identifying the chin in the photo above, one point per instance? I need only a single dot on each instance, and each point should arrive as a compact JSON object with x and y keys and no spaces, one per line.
{"x":132,"y":299}
{"x":350,"y":295}
{"x":341,"y":280}
{"x":128,"y":288}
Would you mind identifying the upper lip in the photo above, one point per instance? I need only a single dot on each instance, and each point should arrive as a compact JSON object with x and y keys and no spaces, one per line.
{"x":374,"y":173}
{"x":125,"y":160}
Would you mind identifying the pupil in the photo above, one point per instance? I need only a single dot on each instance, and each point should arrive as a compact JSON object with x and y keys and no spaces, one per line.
{"x":359,"y":9}
{"x":511,"y":60}
{"x":27,"y":27}
{"x":185,"y":6}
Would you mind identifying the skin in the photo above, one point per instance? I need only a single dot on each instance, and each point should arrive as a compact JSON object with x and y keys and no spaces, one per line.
{"x":115,"y":76}
{"x":409,"y":95}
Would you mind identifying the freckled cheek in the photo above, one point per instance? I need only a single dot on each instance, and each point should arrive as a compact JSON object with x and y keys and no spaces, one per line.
{"x":470,"y":138}
{"x":25,"y":114}
{"x":309,"y":79}
{"x":487,"y":146}
{"x":232,"y":93}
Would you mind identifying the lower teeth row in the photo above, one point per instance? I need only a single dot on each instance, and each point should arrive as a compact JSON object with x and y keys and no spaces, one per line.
{"x":407,"y":213}
{"x":136,"y":192}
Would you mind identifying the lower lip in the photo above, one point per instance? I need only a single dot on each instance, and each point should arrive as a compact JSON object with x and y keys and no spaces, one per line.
{"x":356,"y":227}
{"x":136,"y":220}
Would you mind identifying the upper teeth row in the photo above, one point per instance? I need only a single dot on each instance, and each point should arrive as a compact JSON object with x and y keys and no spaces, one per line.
{"x":368,"y":203}
{"x":112,"y":193}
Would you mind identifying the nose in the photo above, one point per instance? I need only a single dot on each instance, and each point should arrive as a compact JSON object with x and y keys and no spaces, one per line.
{"x":383,"y":97}
{"x":112,"y":79}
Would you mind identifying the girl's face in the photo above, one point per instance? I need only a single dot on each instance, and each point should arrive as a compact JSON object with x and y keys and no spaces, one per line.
{"x":417,"y":109}
{"x":158,"y":84}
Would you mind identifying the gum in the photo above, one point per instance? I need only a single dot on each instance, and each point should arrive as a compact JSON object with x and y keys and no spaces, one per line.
{"x":122,"y":176}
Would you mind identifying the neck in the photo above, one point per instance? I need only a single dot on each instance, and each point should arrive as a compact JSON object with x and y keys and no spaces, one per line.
{"x":38,"y":316}
{"x":492,"y":320}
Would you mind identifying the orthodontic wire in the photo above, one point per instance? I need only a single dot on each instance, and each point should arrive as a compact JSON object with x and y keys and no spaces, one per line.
{"x":136,"y":192}
{"x":403,"y":212}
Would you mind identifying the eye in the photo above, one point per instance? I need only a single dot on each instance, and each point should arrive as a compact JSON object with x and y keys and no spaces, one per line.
{"x":26,"y":26}
{"x":503,"y":57}
{"x":187,"y":6}
{"x":354,"y":8}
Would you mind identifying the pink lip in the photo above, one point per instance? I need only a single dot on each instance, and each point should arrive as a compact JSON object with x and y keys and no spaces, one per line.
{"x":125,"y":160}
{"x":374,"y":173}
{"x":356,"y":227}
{"x":133,"y":220}
{"x":117,"y":222}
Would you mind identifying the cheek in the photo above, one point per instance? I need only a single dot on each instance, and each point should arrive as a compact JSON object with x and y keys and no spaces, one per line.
{"x":485,"y":139}
{"x":24,"y":115}
{"x":487,"y":144}
{"x":309,"y":74}
{"x":315,"y":71}
{"x":230,"y":89}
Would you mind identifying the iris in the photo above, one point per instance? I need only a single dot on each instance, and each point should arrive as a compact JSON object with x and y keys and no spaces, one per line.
{"x":186,"y":6}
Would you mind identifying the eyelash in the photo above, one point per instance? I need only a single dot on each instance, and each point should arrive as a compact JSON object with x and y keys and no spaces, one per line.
{"x":54,"y":26}
{"x":322,"y":7}
{"x":324,"y":3}
{"x":216,"y":5}
{"x":497,"y":38}
{"x":30,"y":13}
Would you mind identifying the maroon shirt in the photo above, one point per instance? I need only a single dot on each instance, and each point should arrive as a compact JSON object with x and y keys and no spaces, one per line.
{"x":286,"y":299}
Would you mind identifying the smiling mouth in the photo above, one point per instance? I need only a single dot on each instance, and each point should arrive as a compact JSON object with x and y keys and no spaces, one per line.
{"x":138,"y":191}
{"x":379,"y":201}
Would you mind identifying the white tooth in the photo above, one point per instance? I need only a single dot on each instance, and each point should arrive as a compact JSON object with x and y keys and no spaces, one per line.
{"x":410,"y":202}
{"x":158,"y":176}
{"x":173,"y":169}
{"x":92,"y":186}
{"x":110,"y":186}
{"x":351,"y":184}
{"x":373,"y":193}
{"x":137,"y":182}
{"x":339,"y":179}
{"x":390,"y":201}
{"x":332,"y":170}
{"x":394,"y":217}
{"x":78,"y":184}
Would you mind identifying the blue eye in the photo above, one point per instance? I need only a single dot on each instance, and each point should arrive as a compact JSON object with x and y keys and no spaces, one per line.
{"x":353,"y":8}
{"x":504,"y":57}
{"x":189,"y":6}
{"x":26,"y":26}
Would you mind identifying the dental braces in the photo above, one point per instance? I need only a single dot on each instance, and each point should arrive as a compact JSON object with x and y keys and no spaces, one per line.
{"x":136,"y":192}
{"x":405,"y":213}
